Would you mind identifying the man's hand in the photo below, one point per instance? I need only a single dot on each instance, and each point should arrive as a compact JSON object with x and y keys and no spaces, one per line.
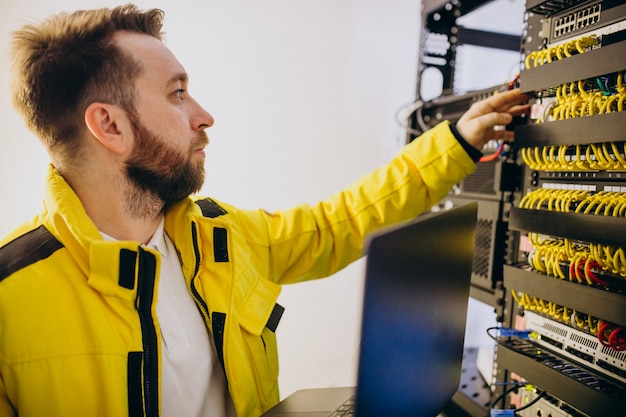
{"x":478,"y":123}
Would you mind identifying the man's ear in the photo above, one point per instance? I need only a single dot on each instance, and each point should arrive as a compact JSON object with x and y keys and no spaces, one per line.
{"x":109,"y":124}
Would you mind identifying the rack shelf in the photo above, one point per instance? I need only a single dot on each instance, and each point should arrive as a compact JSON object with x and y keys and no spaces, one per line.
{"x":584,"y":397}
{"x":606,"y":230}
{"x":608,"y":127}
{"x":601,"y":61}
{"x":594,"y":301}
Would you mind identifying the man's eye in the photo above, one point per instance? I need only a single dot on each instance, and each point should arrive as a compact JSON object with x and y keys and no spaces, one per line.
{"x":179,"y":93}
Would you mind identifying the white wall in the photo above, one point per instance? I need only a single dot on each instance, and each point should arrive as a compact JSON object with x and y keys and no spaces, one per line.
{"x":304,"y":94}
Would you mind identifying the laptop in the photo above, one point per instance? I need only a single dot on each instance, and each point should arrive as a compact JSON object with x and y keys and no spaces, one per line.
{"x":417,"y":282}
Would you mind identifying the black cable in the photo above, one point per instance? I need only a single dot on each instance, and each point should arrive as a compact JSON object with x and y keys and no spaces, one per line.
{"x":504,"y":394}
{"x":516,"y":410}
{"x":501,"y":397}
{"x":494,"y":338}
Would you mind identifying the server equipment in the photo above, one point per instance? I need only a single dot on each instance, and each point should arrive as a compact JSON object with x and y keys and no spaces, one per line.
{"x":566,"y":289}
{"x":551,"y":238}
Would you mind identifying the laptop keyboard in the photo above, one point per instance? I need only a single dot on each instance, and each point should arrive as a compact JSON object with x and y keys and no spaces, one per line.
{"x":347,"y":409}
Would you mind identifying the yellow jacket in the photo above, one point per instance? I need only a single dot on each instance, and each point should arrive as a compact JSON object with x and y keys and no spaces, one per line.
{"x":78,"y":331}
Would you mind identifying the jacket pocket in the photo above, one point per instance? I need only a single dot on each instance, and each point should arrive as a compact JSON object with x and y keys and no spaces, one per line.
{"x":257,"y":310}
{"x":263,"y":353}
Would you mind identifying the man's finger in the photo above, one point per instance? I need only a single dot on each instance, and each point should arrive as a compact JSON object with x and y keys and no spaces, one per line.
{"x":505,"y":100}
{"x":508,"y":101}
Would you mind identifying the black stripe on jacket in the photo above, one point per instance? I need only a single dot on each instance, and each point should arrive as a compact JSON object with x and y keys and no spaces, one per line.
{"x":27,"y":249}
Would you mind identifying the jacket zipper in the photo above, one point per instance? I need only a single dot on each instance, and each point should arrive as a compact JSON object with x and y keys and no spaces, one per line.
{"x":216,"y":323}
{"x":194,"y":291}
{"x":147,"y":274}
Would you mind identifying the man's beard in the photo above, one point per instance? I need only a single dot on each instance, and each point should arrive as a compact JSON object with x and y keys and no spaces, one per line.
{"x":160,"y":174}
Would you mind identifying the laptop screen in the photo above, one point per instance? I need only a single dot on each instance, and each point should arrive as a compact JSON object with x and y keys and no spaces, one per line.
{"x":414,"y":313}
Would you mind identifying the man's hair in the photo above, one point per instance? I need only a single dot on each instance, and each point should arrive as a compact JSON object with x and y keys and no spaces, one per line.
{"x":69,"y":61}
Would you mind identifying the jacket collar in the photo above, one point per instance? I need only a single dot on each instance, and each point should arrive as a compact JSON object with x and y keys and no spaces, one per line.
{"x":65,"y":217}
{"x":101,"y":260}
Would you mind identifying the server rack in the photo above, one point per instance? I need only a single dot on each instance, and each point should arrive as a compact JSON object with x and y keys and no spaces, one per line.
{"x":562,"y":287}
{"x":551,"y":237}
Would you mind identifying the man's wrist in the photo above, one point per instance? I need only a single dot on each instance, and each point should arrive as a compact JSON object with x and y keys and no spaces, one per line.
{"x":473,"y":153}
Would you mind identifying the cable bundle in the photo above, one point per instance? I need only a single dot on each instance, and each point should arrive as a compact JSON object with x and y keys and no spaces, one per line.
{"x":589,"y":97}
{"x":602,"y":203}
{"x":548,"y":308}
{"x":583,"y":263}
{"x":554,"y":199}
{"x":609,"y":258}
{"x":592,"y":157}
{"x":561,"y":51}
{"x":578,"y":320}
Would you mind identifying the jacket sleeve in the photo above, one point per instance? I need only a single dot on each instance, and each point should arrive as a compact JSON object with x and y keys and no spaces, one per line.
{"x":309,"y":242}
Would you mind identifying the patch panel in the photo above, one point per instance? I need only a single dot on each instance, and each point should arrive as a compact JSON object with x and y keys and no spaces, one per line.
{"x":580,"y":374}
{"x":580,"y":20}
{"x":592,"y":181}
{"x":574,"y":18}
{"x":578,"y":346}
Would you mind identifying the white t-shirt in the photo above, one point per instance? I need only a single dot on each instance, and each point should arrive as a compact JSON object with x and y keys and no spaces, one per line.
{"x":192,"y":379}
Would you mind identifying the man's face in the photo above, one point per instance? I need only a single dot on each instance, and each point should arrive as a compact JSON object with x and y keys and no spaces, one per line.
{"x":168,"y":125}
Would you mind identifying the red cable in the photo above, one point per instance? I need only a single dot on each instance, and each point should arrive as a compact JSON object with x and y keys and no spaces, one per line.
{"x":602,"y":325}
{"x":489,"y":158}
{"x":593,"y":276}
{"x":617,"y":343}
